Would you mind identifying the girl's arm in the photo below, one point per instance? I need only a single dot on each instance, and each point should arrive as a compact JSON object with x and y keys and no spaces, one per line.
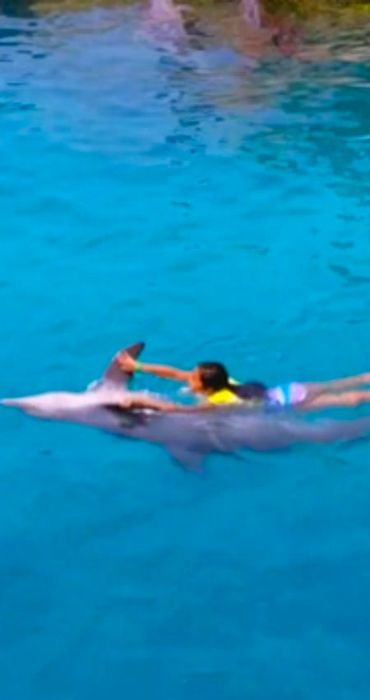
{"x":128,"y":364}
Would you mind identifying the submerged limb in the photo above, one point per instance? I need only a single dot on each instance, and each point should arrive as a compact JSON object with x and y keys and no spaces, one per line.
{"x":150,"y":402}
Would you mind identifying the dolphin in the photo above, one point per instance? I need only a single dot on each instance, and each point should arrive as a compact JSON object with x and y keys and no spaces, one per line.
{"x":189,"y":436}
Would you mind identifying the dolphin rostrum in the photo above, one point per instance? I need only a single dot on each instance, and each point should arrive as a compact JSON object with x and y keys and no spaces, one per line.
{"x":189,"y":436}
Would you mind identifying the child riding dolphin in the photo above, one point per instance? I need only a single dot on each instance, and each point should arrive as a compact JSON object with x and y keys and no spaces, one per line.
{"x":188,"y":435}
{"x":211,"y":383}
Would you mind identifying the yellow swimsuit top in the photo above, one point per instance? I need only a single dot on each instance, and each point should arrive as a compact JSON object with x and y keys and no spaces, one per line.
{"x":225,"y":396}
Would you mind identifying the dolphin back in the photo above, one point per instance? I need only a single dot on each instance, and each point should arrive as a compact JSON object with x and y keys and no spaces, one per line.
{"x":234,"y":430}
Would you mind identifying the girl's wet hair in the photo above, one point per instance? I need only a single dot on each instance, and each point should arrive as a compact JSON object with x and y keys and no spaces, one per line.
{"x":215,"y":377}
{"x":250,"y":391}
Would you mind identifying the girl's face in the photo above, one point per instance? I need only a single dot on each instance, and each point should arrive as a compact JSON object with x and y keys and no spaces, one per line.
{"x":195,"y":382}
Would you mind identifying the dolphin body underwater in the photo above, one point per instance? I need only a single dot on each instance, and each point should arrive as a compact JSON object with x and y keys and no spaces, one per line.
{"x":188,"y":436}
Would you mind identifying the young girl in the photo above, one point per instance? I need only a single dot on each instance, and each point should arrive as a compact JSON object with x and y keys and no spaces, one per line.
{"x":211,"y":383}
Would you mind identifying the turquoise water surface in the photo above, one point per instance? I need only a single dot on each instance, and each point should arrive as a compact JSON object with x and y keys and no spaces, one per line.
{"x":217,"y":207}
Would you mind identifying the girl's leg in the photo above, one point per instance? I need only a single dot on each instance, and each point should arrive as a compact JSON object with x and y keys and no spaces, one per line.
{"x":346,"y":399}
{"x":338,"y":385}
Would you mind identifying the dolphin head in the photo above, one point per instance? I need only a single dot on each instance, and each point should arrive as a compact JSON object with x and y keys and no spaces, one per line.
{"x":54,"y":405}
{"x":84,"y":407}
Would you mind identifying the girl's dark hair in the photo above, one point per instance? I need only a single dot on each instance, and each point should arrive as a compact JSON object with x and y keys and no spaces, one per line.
{"x":250,"y":391}
{"x":214,"y":376}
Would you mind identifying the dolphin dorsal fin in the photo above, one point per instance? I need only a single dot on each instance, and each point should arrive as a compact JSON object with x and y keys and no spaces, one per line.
{"x":114,"y":375}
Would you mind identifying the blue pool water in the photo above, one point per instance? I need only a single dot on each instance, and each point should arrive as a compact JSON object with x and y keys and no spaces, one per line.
{"x":217,"y":207}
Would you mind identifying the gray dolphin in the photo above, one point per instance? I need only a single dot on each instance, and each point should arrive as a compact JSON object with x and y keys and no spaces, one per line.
{"x":188,"y":436}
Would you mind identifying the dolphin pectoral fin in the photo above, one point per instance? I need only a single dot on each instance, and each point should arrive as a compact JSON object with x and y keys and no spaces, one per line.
{"x":114,"y":375}
{"x":187,"y":459}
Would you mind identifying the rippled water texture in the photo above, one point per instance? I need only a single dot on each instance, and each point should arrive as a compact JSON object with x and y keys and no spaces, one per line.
{"x":216,"y":204}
